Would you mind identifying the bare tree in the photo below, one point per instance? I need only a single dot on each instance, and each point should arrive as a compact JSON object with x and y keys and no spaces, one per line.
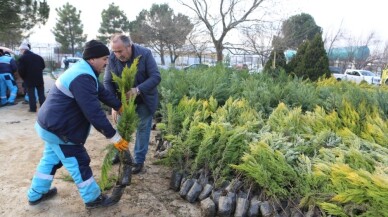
{"x":359,"y":53}
{"x":384,"y":57}
{"x":257,"y":39}
{"x":177,"y":37}
{"x":362,"y":57}
{"x":198,"y":42}
{"x":377,"y":60}
{"x":229,"y":15}
{"x":330,"y":39}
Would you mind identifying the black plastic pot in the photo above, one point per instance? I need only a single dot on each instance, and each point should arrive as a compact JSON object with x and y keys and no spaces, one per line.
{"x":176,"y":179}
{"x":215,"y":196}
{"x":266,"y":209}
{"x":117,"y":193}
{"x":242,"y":206}
{"x":194,"y":192}
{"x":254,"y":207}
{"x":185,"y":187}
{"x":125,"y":169}
{"x":225,"y":206}
{"x":208,"y":208}
{"x":126,"y":175}
{"x":207,"y":190}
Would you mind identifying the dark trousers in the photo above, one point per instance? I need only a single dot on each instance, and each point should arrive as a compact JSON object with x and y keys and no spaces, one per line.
{"x":31,"y":95}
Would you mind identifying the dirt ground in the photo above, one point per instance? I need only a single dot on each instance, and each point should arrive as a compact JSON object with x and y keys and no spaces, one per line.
{"x":21,"y":150}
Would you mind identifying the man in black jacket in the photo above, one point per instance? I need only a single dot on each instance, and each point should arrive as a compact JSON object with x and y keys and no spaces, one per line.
{"x":31,"y":67}
{"x":145,"y":89}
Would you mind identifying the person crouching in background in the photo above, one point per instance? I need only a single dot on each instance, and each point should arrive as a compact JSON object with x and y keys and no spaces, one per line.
{"x":7,"y":68}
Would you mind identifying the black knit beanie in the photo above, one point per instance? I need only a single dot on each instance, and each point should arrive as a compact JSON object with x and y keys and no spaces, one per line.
{"x":94,"y":49}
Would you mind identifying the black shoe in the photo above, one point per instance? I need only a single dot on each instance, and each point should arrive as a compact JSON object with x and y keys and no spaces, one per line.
{"x":137,"y":168}
{"x":101,"y":201}
{"x":116,"y":159}
{"x":11,"y":103}
{"x":29,"y":110}
{"x":51,"y":193}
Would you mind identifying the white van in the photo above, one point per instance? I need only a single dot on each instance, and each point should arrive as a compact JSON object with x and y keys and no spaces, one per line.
{"x":71,"y":61}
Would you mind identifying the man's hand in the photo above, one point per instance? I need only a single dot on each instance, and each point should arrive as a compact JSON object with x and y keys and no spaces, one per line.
{"x":117,"y":114}
{"x":132,"y":93}
{"x":119,"y":143}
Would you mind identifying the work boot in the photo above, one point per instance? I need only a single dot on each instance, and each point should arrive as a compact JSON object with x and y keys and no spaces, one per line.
{"x":137,"y":168}
{"x":50,"y":194}
{"x":101,"y":201}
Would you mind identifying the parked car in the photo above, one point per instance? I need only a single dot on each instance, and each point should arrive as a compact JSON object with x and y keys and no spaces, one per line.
{"x":334,"y":69}
{"x":196,"y":66}
{"x":71,"y":61}
{"x":358,"y":75}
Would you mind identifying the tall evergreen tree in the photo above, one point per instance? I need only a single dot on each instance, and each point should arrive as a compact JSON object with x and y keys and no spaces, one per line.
{"x":316,"y":59}
{"x":68,"y":30}
{"x":114,"y":20}
{"x":162,"y":30}
{"x":297,"y":60}
{"x":297,"y":29}
{"x":311,"y":60}
{"x":18,"y":17}
{"x":280,"y":61}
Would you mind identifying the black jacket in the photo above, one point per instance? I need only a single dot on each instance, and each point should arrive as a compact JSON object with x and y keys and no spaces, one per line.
{"x":30,"y":67}
{"x":147,"y":76}
{"x":70,"y":118}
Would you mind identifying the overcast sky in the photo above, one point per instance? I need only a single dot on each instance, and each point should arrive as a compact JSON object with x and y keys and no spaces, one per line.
{"x":358,"y":17}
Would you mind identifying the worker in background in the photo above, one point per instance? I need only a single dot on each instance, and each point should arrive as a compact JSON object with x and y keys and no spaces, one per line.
{"x":8,"y":67}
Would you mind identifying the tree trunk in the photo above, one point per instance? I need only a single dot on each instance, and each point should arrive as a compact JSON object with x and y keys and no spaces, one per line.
{"x":199,"y":57}
{"x":162,"y":57}
{"x":219,"y":49}
{"x":72,"y":50}
{"x":174,"y":59}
